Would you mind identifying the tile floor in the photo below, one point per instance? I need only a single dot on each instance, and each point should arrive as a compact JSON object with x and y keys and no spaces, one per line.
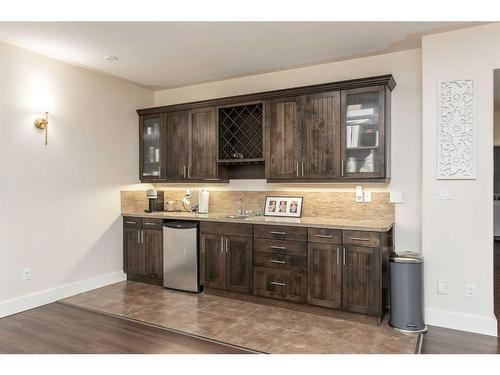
{"x":263,"y":328}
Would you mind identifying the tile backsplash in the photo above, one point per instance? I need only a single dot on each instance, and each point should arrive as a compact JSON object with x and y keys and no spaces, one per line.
{"x":316,"y":204}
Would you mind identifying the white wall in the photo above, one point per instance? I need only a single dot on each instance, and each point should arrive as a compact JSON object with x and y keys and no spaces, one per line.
{"x":406,"y":123}
{"x":457,"y":235}
{"x":60,"y":204}
{"x":496,"y":131}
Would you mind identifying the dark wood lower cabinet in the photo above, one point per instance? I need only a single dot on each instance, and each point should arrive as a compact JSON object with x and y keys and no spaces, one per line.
{"x":226,"y":262}
{"x":282,"y":284}
{"x":133,"y":260}
{"x":153,"y":253}
{"x":143,"y":249}
{"x":330,"y":270}
{"x":213,"y":268}
{"x":324,"y":275}
{"x":239,"y":264}
{"x":361,"y":280}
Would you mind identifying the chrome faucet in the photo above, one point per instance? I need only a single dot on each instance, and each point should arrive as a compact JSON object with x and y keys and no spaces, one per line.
{"x":242,"y":207}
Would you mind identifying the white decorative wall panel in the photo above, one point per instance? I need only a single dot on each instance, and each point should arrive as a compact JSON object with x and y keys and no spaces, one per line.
{"x":456,"y":130}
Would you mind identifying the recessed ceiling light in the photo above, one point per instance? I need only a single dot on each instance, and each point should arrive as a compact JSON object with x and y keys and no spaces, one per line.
{"x":111,"y":58}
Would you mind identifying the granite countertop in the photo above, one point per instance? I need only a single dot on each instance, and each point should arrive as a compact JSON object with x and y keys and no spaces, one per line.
{"x":316,"y":222}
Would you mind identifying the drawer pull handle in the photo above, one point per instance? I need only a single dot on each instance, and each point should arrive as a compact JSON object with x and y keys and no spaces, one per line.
{"x":130,"y":222}
{"x":322,"y":236}
{"x":277,"y":261}
{"x":278,"y":247}
{"x":277,"y":284}
{"x":359,"y":239}
{"x":280,"y":233}
{"x":149,"y":223}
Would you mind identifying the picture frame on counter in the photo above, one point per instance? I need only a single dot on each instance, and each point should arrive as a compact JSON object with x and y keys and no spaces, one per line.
{"x":283,"y":206}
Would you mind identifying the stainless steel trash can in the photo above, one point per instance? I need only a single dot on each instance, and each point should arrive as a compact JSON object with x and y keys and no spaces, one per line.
{"x":407,"y":310}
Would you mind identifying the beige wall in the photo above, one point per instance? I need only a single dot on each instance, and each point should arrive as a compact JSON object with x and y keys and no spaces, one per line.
{"x":406,"y":124}
{"x":457,"y":234}
{"x":60,"y":204}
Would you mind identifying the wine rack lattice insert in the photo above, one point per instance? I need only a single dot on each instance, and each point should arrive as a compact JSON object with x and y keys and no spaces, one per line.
{"x":240,"y":132}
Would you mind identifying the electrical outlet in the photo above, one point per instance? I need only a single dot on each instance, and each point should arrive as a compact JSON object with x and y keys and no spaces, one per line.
{"x":26,"y":273}
{"x":368,"y":196}
{"x":470,"y":290}
{"x":445,"y":193}
{"x":359,"y":194}
{"x":441,"y":287}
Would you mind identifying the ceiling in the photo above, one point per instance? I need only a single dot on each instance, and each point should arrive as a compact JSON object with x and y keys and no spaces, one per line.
{"x":171,"y":54}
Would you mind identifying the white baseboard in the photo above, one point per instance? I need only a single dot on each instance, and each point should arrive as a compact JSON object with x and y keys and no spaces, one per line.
{"x":461,"y":322}
{"x":44,"y":297}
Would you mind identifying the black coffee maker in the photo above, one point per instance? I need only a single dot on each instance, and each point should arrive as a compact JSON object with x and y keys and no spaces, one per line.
{"x":156,"y":200}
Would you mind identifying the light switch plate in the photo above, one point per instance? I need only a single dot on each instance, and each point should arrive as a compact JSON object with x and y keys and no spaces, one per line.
{"x":368,"y":196}
{"x":359,"y":194}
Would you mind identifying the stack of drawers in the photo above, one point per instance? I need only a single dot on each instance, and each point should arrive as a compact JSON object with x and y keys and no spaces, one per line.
{"x":280,"y":262}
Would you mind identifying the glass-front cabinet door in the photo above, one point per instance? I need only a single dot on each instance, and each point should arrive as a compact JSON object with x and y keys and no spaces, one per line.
{"x":362,"y":133}
{"x":152,"y":148}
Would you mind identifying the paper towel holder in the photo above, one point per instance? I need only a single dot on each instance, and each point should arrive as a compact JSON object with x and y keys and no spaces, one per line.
{"x":203,"y":202}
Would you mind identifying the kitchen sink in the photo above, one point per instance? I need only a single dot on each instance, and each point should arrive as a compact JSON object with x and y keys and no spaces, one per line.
{"x":240,"y":217}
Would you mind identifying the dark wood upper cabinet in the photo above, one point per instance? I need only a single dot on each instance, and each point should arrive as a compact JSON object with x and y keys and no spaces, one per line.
{"x":361,"y":280}
{"x":203,"y":144}
{"x":338,"y":132}
{"x":213,"y":267}
{"x":325,"y":275}
{"x":363,"y":130}
{"x":239,"y":260}
{"x":177,"y":124}
{"x":283,"y":138}
{"x":152,"y":148}
{"x":320,"y":136}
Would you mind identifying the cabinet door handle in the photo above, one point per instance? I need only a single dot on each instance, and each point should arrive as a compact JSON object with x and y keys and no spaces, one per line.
{"x":184,"y":171}
{"x":343,"y":257}
{"x":276,"y":283}
{"x":338,"y":256}
{"x":302,"y":163}
{"x":227,"y":244}
{"x":222,"y":244}
{"x":277,"y":261}
{"x":149,"y":223}
{"x":359,"y":238}
{"x":297,"y":168}
{"x":280,"y":233}
{"x":322,"y":236}
{"x":342,"y":169}
{"x":138,"y":236}
{"x":130,"y":222}
{"x":278,"y":247}
{"x":188,"y":171}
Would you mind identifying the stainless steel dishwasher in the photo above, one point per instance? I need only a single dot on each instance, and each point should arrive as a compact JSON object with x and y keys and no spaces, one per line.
{"x":180,"y":255}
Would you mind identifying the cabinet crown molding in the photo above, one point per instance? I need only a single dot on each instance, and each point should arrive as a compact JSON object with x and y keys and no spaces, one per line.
{"x":382,"y":80}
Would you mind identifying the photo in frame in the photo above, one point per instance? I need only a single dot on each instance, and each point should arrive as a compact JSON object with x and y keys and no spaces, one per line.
{"x":283,"y":206}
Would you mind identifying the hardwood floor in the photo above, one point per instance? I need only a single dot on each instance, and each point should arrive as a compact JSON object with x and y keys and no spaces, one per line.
{"x":61,"y":329}
{"x":448,"y":341}
{"x":58,"y":328}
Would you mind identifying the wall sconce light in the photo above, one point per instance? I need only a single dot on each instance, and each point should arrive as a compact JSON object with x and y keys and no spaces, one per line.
{"x":43,"y":123}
